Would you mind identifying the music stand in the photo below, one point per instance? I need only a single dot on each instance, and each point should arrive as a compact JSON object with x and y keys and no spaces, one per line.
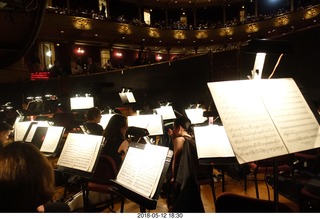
{"x":148,"y":165}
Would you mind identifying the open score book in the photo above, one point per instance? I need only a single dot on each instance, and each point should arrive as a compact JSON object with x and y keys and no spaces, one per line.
{"x":265,"y":118}
{"x":142,"y":168}
{"x":80,"y":151}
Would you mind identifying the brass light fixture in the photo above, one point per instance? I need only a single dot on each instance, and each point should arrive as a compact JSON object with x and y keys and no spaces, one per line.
{"x":201,"y":34}
{"x":153,"y":32}
{"x":179,"y":35}
{"x":282,"y":21}
{"x":227,"y":31}
{"x":82,"y":23}
{"x":252,"y":28}
{"x":124,"y":29}
{"x":312,"y":12}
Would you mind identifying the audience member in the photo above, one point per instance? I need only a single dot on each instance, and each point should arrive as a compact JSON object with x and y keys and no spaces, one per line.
{"x":76,"y":69}
{"x":5,"y":131}
{"x":185,"y":193}
{"x":93,"y":118}
{"x":92,"y":67}
{"x":57,"y":70}
{"x":116,"y":143}
{"x":26,"y":178}
{"x":108,"y":65}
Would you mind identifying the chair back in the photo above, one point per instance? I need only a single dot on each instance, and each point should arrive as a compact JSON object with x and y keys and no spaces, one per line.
{"x":106,"y":169}
{"x":234,"y":203}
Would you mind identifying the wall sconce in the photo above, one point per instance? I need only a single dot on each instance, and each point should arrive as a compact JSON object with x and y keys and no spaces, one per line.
{"x":158,"y":57}
{"x":118,"y":54}
{"x":82,"y":23}
{"x":79,"y":51}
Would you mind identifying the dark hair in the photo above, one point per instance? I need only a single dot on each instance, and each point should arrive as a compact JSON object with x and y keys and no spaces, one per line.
{"x":185,"y":123}
{"x":26,"y":178}
{"x":5,"y":126}
{"x":113,"y":129}
{"x":93,"y":113}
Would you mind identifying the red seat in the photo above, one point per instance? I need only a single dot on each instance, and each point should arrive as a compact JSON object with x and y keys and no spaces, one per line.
{"x":106,"y":169}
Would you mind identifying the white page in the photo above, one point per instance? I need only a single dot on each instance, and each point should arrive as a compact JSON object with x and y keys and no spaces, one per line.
{"x":153,"y":123}
{"x":80,"y":151}
{"x":291,"y":114}
{"x":105,"y":120}
{"x":212,"y":141}
{"x":195,"y":115}
{"x":52,"y":139}
{"x":33,"y":129}
{"x":249,"y":127}
{"x":20,"y":129}
{"x":142,"y":168}
{"x":166,"y":112}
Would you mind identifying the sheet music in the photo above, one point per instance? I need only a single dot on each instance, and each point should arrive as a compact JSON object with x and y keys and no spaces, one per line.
{"x":195,"y":115}
{"x":250,"y":130}
{"x":153,"y":123}
{"x":142,"y":168}
{"x":52,"y":139}
{"x":105,"y":120}
{"x":212,"y":141}
{"x":166,"y":112}
{"x":291,"y":114}
{"x":20,"y":129}
{"x":265,"y":118}
{"x":33,"y":129}
{"x":80,"y":151}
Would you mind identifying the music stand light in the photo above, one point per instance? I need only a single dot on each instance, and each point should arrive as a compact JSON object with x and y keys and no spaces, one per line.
{"x":261,"y":47}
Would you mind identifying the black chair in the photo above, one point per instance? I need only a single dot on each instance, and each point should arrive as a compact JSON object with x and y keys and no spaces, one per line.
{"x":233,"y":203}
{"x":266,"y":167}
{"x":106,"y":169}
{"x":65,"y":119}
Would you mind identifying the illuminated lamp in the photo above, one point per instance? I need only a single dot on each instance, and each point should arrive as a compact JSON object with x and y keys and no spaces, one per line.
{"x":79,"y":51}
{"x":261,"y":47}
{"x":127,"y":96}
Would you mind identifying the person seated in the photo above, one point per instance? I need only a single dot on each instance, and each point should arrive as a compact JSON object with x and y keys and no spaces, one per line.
{"x":26,"y":179}
{"x":76,"y":69}
{"x":116,"y":143}
{"x":5,"y":131}
{"x":93,"y":119}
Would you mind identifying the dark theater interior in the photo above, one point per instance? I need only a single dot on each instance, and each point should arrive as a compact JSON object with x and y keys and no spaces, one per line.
{"x":244,"y":74}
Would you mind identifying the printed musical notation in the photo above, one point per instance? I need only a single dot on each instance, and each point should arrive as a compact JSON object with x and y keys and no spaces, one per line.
{"x":142,"y":168}
{"x":265,"y":118}
{"x":80,"y":151}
